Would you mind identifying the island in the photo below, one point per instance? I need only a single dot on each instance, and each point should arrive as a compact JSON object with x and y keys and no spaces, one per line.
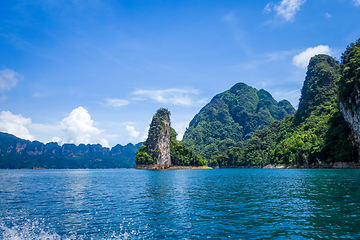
{"x":161,"y":150}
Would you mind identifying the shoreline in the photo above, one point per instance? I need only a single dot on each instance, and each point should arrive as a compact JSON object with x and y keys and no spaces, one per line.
{"x":333,"y":165}
{"x":157,"y":166}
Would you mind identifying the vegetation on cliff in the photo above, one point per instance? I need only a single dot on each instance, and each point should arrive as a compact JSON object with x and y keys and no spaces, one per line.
{"x":179,"y":154}
{"x":349,"y":83}
{"x":231,"y":118}
{"x":316,"y":133}
{"x":19,"y":153}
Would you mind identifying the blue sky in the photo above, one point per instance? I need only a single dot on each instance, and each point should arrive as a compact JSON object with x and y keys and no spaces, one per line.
{"x":96,"y":71}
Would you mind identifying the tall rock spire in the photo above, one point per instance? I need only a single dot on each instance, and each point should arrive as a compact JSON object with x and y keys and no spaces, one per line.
{"x":157,"y":144}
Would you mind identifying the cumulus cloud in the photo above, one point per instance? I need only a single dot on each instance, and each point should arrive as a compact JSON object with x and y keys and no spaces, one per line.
{"x":302,"y":59}
{"x":114,"y":102}
{"x":179,"y":97}
{"x":79,"y":128}
{"x":328,"y":15}
{"x":285,"y":9}
{"x":356,"y":2}
{"x":9,"y":79}
{"x":15,"y":124}
{"x":131,"y":130}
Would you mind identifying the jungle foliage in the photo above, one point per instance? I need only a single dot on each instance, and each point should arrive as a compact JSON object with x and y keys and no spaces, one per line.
{"x":316,"y":133}
{"x":231,"y":118}
{"x":349,"y":83}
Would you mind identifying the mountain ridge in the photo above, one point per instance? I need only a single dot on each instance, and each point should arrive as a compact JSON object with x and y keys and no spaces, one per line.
{"x":231,"y":117}
{"x":20,"y":153}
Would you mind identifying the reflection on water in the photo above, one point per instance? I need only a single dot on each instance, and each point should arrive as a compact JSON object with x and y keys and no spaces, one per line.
{"x":177,"y":204}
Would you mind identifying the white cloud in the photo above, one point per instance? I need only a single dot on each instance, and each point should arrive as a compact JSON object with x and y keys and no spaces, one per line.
{"x":180,"y":128}
{"x":356,"y":2}
{"x":131,"y":130}
{"x":285,"y":9}
{"x":79,"y":128}
{"x":179,"y":97}
{"x":145,"y":131}
{"x":9,"y":79}
{"x":114,"y":102}
{"x":37,"y":95}
{"x":268,"y":7}
{"x":15,"y":124}
{"x":57,"y":140}
{"x":302,"y":59}
{"x":328,"y":15}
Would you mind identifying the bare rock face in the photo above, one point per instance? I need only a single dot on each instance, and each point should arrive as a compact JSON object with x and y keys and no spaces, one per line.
{"x":155,"y":152}
{"x":351,"y":115}
{"x":163,"y":143}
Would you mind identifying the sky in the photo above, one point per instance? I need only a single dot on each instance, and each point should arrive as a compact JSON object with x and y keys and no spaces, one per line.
{"x":76,"y":71}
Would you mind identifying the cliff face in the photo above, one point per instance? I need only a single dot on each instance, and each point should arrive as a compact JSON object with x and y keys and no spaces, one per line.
{"x":161,"y":150}
{"x":163,"y":143}
{"x":351,"y":115}
{"x":155,"y":153}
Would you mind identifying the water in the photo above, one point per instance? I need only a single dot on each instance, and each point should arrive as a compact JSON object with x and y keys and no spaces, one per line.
{"x":180,"y":204}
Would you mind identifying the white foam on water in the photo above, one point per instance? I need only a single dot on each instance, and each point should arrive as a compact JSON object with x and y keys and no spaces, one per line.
{"x":32,"y":230}
{"x":28,"y":231}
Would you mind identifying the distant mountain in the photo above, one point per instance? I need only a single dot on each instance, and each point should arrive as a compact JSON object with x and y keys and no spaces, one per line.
{"x":232,"y":117}
{"x":19,"y":153}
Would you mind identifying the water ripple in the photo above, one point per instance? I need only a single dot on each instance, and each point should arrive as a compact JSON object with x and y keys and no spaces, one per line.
{"x":180,"y":204}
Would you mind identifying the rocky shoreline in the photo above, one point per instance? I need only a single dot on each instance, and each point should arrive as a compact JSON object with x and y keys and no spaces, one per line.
{"x":335,"y":165}
{"x":158,"y":166}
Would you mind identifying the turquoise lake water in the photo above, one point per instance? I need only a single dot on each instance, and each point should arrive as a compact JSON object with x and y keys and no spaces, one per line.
{"x":180,"y":204}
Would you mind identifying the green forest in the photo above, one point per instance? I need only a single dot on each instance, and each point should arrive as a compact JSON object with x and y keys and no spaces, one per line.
{"x":19,"y":153}
{"x":315,"y":133}
{"x":231,"y":118}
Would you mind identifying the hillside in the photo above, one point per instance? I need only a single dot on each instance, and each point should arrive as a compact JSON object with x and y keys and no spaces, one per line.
{"x":232,"y":117}
{"x":316,"y":135}
{"x":19,"y":153}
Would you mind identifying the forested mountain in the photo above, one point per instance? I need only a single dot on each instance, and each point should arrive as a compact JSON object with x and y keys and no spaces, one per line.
{"x":232,"y":117}
{"x":19,"y":153}
{"x":316,"y":134}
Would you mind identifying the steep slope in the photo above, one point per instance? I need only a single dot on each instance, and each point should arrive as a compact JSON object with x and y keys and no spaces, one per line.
{"x":319,"y":86}
{"x":231,"y":117}
{"x":161,"y":149}
{"x":156,"y":149}
{"x":316,"y":135}
{"x":19,"y":153}
{"x":349,"y":90}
